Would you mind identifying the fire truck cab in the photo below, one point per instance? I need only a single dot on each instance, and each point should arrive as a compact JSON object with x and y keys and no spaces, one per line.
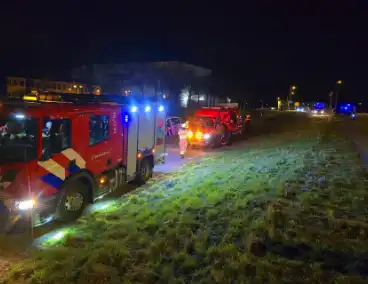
{"x":213,"y":126}
{"x":57,"y":155}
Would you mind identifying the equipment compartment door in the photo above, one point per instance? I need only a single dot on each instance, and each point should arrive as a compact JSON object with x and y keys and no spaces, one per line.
{"x":132,"y":150}
{"x":146,"y":129}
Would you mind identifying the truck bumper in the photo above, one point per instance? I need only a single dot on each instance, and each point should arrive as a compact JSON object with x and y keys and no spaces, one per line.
{"x":200,"y":143}
{"x":20,"y":221}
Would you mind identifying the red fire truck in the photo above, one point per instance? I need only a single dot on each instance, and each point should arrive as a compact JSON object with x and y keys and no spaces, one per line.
{"x":213,"y":126}
{"x":60,"y":152}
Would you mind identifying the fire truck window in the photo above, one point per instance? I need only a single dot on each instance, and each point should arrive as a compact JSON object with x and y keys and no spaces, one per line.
{"x":98,"y":129}
{"x":56,"y":135}
{"x":175,"y":121}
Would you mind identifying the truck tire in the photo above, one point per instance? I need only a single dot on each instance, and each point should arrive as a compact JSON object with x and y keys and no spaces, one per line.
{"x":243,"y":130}
{"x":144,"y":172}
{"x":217,"y":142}
{"x":229,"y":138}
{"x":73,"y":200}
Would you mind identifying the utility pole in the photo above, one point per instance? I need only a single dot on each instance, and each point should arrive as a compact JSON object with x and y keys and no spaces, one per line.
{"x":330,"y":94}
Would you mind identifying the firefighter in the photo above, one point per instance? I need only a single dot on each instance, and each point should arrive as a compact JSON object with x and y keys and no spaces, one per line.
{"x":183,"y":142}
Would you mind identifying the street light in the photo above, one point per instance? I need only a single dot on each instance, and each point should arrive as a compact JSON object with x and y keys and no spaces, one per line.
{"x":339,"y":83}
{"x":291,"y":93}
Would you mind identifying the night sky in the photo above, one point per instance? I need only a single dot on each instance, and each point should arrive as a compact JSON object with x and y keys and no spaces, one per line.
{"x":255,"y":50}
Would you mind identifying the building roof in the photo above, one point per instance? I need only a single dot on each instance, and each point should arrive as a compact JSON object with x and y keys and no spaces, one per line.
{"x":196,"y":71}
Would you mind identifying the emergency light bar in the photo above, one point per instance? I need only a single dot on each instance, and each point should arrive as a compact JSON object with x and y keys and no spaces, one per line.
{"x":87,"y":99}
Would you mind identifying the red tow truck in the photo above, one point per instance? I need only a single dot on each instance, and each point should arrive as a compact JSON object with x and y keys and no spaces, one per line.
{"x":214,"y":126}
{"x":60,"y":152}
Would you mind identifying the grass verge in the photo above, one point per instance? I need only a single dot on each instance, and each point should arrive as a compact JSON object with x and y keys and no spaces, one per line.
{"x":280,"y":212}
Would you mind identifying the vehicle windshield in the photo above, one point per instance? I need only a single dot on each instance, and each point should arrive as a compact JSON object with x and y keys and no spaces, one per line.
{"x":206,"y":122}
{"x":18,"y":138}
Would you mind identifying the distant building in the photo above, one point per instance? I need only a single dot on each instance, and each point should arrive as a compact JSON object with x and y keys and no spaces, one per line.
{"x":17,"y":86}
{"x":164,"y":79}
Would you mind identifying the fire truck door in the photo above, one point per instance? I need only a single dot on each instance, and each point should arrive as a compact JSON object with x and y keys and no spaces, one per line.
{"x":100,"y":131}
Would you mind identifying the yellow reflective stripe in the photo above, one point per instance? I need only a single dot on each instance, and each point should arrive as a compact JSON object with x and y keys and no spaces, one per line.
{"x":53,"y":167}
{"x":73,"y":155}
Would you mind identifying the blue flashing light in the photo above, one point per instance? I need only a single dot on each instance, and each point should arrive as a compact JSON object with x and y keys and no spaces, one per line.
{"x":161,"y":108}
{"x":319,"y":105}
{"x":126,"y":118}
{"x":147,"y":109}
{"x":346,"y":108}
{"x":133,"y":109}
{"x":19,"y":116}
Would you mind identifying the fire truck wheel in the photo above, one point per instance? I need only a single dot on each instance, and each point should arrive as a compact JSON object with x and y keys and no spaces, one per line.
{"x":145,"y":172}
{"x":72,"y":202}
{"x":229,"y":140}
{"x":243,"y":129}
{"x":216,"y":143}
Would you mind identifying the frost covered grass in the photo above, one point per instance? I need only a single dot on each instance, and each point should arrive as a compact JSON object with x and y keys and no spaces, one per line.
{"x":284,"y":211}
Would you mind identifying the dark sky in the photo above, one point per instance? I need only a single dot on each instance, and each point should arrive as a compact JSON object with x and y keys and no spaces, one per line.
{"x":259,"y":48}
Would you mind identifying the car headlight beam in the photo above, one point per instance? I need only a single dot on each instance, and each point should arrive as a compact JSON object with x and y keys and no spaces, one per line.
{"x":24,"y":205}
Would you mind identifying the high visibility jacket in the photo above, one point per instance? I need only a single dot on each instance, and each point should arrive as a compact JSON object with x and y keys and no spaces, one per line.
{"x":182,"y":134}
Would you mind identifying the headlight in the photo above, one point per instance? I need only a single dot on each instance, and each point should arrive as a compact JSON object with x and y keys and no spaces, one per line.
{"x":199,"y":135}
{"x":25,"y":204}
{"x":207,"y":136}
{"x":322,"y":111}
{"x":190,"y":134}
{"x":314,"y":111}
